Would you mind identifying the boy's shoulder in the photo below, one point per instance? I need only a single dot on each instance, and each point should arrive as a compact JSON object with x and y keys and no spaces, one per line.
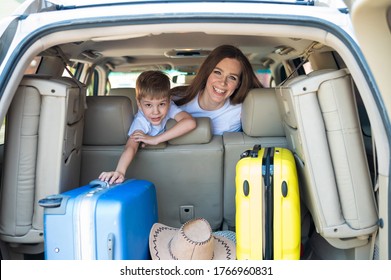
{"x":140,"y":122}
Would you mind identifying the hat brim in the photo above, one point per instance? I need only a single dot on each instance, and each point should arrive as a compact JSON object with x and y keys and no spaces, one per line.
{"x":160,"y":236}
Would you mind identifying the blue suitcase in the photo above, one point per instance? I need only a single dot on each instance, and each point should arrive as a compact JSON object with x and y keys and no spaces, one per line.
{"x":100,"y":221}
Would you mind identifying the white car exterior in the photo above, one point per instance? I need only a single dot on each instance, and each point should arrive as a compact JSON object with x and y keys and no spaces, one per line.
{"x":361,"y":37}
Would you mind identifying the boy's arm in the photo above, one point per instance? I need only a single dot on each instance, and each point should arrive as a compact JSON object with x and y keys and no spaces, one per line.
{"x":118,"y":176}
{"x":185,"y":123}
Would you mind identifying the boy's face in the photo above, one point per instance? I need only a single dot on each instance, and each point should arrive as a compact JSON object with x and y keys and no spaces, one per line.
{"x":154,"y":109}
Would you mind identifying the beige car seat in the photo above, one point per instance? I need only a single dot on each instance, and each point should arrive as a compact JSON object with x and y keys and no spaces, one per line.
{"x":262,"y":124}
{"x":322,"y":127}
{"x":44,"y":128}
{"x":128,"y":92}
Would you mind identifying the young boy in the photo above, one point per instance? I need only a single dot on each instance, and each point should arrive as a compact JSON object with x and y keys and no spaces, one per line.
{"x":154,"y":109}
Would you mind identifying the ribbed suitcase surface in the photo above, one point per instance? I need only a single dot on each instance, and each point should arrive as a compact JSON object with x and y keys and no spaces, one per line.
{"x":100,"y":222}
{"x":267,"y":205}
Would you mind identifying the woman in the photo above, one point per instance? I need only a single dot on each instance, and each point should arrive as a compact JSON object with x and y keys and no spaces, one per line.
{"x":219,"y":88}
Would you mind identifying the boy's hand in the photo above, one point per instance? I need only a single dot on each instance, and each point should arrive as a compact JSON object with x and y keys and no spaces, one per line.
{"x":139,"y":136}
{"x":112,"y":177}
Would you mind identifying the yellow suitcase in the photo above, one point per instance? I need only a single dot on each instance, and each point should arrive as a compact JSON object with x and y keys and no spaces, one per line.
{"x":267,"y":205}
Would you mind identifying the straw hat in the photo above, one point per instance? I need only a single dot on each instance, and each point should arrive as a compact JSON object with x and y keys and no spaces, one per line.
{"x":193,"y":241}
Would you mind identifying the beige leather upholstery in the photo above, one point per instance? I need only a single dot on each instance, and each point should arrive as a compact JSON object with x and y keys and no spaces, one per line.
{"x":321,"y":122}
{"x":262,"y":124}
{"x":128,"y":92}
{"x":188,"y":179}
{"x":107,"y":120}
{"x":260,"y":114}
{"x":201,"y":135}
{"x":42,"y":152}
{"x":188,"y":175}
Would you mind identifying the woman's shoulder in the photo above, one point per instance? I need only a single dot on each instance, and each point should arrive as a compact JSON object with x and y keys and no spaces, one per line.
{"x":192,"y":104}
{"x":228,"y":106}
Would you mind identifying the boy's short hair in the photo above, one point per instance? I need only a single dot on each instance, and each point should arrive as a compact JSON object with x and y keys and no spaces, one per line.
{"x":152,"y":84}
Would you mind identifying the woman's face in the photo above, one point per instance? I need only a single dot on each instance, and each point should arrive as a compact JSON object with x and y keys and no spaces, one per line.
{"x":222,"y":82}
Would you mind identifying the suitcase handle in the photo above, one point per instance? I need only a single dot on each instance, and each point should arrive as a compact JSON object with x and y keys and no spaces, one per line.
{"x":99,"y":183}
{"x":254,"y":152}
{"x":54,"y":201}
{"x":251,"y":153}
{"x":51,"y":201}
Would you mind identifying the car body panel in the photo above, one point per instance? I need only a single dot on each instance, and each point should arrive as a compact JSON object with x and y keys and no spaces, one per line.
{"x":375,"y":42}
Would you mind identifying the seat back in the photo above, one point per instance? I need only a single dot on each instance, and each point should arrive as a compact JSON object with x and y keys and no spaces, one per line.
{"x":128,"y":92}
{"x":185,"y":188}
{"x":262,"y":124}
{"x":322,"y":127}
{"x":188,"y":173}
{"x":42,"y":152}
{"x":107,"y":122}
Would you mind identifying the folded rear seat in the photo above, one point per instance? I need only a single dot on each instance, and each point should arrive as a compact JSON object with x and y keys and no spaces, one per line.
{"x":42,"y":154}
{"x":322,"y":127}
{"x":262,"y":124}
{"x":187,"y":171}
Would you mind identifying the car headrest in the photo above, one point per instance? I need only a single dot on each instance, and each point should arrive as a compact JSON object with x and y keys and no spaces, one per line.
{"x":260,"y":114}
{"x":128,"y":92}
{"x":202,"y":134}
{"x":107,"y":120}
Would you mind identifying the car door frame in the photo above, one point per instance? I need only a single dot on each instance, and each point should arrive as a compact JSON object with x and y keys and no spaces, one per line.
{"x":375,"y":43}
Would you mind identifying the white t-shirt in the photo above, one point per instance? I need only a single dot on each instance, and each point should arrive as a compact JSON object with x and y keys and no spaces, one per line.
{"x":140,"y":122}
{"x":224,"y":119}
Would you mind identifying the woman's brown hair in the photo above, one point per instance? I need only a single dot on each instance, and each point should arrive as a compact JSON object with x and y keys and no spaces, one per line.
{"x":248,"y":80}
